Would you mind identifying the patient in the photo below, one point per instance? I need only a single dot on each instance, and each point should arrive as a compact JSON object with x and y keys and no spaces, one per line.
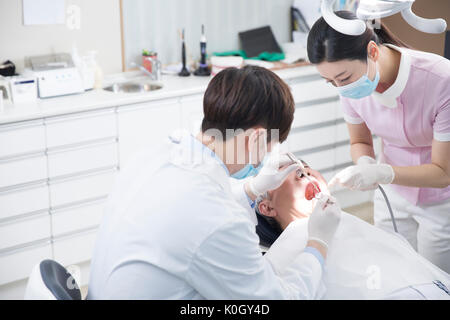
{"x":364,"y":262}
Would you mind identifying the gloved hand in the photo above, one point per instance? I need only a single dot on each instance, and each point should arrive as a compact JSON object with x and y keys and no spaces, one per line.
{"x":366,"y":175}
{"x":271,"y":177}
{"x":324,"y":220}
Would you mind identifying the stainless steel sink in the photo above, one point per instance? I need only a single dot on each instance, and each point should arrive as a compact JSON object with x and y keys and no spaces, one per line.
{"x":133,"y":87}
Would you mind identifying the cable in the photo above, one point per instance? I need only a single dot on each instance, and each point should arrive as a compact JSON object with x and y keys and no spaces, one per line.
{"x":389,"y":207}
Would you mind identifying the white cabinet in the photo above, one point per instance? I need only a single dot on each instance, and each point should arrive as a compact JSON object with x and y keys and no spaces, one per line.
{"x":343,"y":155}
{"x":81,"y":188}
{"x":342,"y":132}
{"x":24,"y":231}
{"x":55,"y":174}
{"x":76,"y":218}
{"x":74,"y":248}
{"x":315,"y":113}
{"x":79,"y":128}
{"x":22,"y":201}
{"x":312,"y":90}
{"x":146,"y":125}
{"x":301,"y":140}
{"x":16,"y":265}
{"x":319,"y":160}
{"x":23,"y":170}
{"x":83,"y":158}
{"x":21,"y":138}
{"x":192,"y":113}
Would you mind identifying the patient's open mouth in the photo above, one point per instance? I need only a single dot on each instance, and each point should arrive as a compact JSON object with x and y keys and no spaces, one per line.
{"x":311,"y":191}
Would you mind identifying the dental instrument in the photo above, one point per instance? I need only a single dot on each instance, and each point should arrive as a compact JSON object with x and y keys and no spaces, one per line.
{"x":203,"y":69}
{"x":301,"y":173}
{"x":317,"y":196}
{"x":377,"y":9}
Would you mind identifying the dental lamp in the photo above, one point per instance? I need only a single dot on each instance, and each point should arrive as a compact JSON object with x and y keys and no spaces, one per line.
{"x":375,"y":9}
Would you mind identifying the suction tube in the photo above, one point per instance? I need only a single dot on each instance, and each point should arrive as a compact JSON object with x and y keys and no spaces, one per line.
{"x":389,"y":207}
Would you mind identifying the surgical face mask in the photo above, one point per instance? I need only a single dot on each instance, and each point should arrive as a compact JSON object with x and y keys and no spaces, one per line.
{"x":249,"y":170}
{"x":361,"y":88}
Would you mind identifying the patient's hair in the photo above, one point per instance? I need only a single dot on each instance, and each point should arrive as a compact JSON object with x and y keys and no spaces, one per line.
{"x":246,"y":98}
{"x":267,"y":229}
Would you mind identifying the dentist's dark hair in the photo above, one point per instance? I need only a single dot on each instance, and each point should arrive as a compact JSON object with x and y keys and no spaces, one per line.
{"x":246,"y":98}
{"x":327,"y":44}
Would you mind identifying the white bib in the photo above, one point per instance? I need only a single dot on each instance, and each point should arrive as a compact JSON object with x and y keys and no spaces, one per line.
{"x":363,"y":262}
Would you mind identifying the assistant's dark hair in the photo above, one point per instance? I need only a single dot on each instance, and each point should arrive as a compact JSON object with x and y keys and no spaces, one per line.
{"x":248,"y":97}
{"x":327,"y":44}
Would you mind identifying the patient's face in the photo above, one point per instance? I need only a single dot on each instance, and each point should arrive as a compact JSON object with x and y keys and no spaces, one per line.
{"x":296,"y":194}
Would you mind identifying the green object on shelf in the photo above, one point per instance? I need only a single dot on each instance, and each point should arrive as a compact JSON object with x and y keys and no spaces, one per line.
{"x":147,"y":53}
{"x":267,"y":56}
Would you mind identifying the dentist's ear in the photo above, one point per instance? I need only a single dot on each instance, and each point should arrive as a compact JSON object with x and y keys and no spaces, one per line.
{"x":266,"y":210}
{"x":257,"y":143}
{"x":373,"y":51}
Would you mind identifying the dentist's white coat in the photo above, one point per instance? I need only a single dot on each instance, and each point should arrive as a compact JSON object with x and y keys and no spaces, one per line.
{"x":176,"y":230}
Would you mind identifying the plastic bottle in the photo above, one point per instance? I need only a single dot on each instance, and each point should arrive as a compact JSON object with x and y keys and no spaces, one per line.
{"x":98,"y":72}
{"x":89,"y":71}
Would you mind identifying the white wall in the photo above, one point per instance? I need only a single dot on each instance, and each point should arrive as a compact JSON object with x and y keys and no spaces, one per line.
{"x":154,"y":24}
{"x":99,"y":30}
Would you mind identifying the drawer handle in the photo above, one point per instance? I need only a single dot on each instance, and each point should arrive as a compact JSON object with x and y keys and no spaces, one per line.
{"x":83,"y":145}
{"x":21,"y":125}
{"x":79,"y":204}
{"x":26,"y":246}
{"x":24,"y":217}
{"x":74,"y":234}
{"x":83,"y":174}
{"x":78,"y":116}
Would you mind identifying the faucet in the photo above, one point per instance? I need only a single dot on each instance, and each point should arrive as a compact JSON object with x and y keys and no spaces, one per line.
{"x":156,"y":68}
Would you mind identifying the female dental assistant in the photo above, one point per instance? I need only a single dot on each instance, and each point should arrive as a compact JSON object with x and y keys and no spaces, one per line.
{"x":403,"y":96}
{"x":175,"y":228}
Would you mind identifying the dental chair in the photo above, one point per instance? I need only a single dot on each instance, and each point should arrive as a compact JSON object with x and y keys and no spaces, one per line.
{"x":51,"y":281}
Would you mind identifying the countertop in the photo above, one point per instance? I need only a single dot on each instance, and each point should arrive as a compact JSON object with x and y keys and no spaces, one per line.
{"x":173,"y":87}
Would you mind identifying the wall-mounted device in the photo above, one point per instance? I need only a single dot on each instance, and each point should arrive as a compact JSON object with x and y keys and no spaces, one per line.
{"x":56,"y":75}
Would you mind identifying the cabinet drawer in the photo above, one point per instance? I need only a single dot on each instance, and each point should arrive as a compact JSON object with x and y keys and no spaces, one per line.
{"x":81,"y":188}
{"x":192,"y":113}
{"x":80,"y":128}
{"x":82,"y":159}
{"x":342,"y":132}
{"x":18,"y":265}
{"x":146,"y":126}
{"x":315,"y":114}
{"x":312,"y":138}
{"x":343,"y":154}
{"x":75,"y":248}
{"x":23,"y":201}
{"x":24,"y":231}
{"x":328,"y":175}
{"x":23,"y":170}
{"x":313,"y":90}
{"x":77,"y":218}
{"x":319,"y":160}
{"x":21,"y":138}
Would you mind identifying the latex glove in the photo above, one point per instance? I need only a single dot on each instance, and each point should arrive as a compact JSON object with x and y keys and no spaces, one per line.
{"x":271,"y":177}
{"x":324,"y":220}
{"x":366,"y":160}
{"x":364,"y":176}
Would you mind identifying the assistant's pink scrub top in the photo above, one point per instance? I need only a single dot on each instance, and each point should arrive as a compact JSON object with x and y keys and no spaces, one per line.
{"x":407,"y":116}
